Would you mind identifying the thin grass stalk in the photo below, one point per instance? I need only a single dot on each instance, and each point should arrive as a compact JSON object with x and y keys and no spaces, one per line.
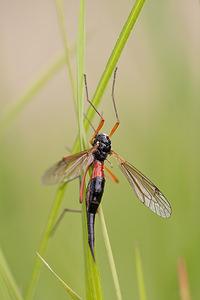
{"x":8,"y":288}
{"x":67,"y":53}
{"x":184,"y":287}
{"x":110,"y":255}
{"x":80,"y":70}
{"x":93,"y":284}
{"x":140,"y":277}
{"x":16,"y":107}
{"x":74,"y":295}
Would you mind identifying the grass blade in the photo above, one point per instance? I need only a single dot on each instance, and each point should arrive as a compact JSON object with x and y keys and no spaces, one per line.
{"x":80,"y":70}
{"x":68,"y":289}
{"x":8,"y":287}
{"x":93,"y":283}
{"x":44,"y":242}
{"x":184,"y":289}
{"x":110,"y":255}
{"x":141,"y":284}
{"x":16,"y":107}
{"x":65,"y":42}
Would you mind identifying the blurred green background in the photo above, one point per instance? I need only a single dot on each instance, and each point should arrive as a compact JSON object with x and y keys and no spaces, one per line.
{"x":158,"y":100}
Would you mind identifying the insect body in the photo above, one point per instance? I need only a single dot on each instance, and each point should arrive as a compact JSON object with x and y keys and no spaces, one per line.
{"x":70,"y":167}
{"x":96,"y":184}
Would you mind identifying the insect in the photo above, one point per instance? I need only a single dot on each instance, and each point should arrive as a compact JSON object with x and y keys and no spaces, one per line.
{"x":71,"y":166}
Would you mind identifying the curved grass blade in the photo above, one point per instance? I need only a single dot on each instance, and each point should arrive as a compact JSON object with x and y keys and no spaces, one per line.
{"x":8,"y":287}
{"x":68,"y":289}
{"x":14,"y":109}
{"x":141,"y":284}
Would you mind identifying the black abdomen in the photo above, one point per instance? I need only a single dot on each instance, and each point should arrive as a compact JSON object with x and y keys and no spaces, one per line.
{"x":93,"y":198}
{"x":95,"y":194}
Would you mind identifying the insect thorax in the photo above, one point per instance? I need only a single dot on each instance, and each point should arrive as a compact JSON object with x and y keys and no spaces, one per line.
{"x":103,"y":143}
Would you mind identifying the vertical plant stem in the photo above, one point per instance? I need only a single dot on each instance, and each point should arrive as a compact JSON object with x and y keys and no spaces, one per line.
{"x":141,"y":284}
{"x":110,"y":255}
{"x":184,"y":287}
{"x":67,"y":56}
{"x":80,"y":69}
{"x":93,"y":284}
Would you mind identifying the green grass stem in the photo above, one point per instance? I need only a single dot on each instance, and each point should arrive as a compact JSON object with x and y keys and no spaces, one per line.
{"x":184,"y":287}
{"x":16,"y":107}
{"x":68,"y":289}
{"x":110,"y":255}
{"x":141,"y":284}
{"x":93,"y":283}
{"x":80,"y":70}
{"x":8,"y":287}
{"x":67,"y":53}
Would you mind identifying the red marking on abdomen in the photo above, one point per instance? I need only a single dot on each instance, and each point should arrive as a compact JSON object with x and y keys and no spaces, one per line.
{"x":98,"y":169}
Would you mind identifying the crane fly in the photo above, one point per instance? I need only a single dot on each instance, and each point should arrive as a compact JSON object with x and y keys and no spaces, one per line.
{"x":71,"y":166}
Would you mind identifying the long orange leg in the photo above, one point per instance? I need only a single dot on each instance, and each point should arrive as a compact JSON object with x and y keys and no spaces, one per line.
{"x":114,"y":178}
{"x":117,"y":123}
{"x":102,"y":119}
{"x":82,"y":185}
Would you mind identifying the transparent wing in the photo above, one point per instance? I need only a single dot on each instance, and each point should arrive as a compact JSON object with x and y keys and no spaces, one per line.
{"x":68,"y":168}
{"x":144,"y":189}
